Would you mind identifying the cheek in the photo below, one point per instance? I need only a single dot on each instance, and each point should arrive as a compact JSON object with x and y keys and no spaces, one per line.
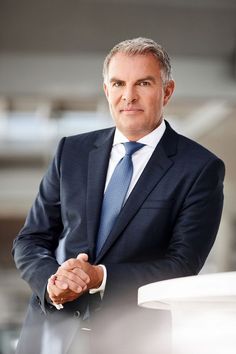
{"x":113,"y":100}
{"x":156,"y":103}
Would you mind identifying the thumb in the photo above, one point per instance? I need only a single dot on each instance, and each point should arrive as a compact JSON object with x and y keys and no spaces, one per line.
{"x":82,"y":257}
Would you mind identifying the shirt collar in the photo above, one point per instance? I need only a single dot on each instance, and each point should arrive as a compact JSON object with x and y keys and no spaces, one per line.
{"x":151,"y":139}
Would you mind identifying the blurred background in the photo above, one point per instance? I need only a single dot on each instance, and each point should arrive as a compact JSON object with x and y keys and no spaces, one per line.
{"x":51,"y":56}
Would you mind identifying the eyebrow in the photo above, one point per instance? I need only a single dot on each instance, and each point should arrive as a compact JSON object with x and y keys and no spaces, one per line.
{"x":114,"y":79}
{"x":146,"y":78}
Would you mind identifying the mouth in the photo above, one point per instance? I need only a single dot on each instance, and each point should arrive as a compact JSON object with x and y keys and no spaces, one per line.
{"x":131,"y":110}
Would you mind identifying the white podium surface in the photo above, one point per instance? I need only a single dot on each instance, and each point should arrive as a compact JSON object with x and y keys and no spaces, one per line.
{"x":203,"y":309}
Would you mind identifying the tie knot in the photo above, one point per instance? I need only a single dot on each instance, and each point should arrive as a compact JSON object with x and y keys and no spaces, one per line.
{"x":132,"y":146}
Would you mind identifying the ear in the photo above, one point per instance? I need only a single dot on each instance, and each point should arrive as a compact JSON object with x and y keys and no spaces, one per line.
{"x":168,"y":91}
{"x":105,"y":88}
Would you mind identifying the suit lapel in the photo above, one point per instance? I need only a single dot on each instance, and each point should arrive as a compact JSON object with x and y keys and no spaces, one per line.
{"x":156,"y":168}
{"x":97,"y":170}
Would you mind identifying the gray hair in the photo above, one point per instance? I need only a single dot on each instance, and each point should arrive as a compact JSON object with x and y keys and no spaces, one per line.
{"x":141,"y":46}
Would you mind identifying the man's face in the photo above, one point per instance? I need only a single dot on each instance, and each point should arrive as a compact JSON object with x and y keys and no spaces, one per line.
{"x":135,"y":93}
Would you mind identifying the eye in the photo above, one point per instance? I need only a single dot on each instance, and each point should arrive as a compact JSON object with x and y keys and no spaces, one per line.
{"x":144,"y":83}
{"x":117,"y":84}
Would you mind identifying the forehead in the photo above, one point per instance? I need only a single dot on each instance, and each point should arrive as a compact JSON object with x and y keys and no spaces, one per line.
{"x":124,"y":66}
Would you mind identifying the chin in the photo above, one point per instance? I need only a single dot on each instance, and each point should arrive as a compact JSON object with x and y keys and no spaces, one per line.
{"x":133,"y":134}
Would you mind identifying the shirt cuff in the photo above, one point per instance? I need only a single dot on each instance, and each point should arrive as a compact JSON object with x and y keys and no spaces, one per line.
{"x":101,"y":288}
{"x":58,"y":306}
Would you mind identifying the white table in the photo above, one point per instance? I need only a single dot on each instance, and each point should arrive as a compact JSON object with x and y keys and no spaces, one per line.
{"x":203,"y":309}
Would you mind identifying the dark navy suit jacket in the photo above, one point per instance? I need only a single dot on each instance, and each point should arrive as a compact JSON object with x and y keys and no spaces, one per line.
{"x":165,"y":229}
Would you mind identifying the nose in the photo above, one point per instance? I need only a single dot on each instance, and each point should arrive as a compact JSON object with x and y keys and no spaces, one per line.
{"x":129,"y":95}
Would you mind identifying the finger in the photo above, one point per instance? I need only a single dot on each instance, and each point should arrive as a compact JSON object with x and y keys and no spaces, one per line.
{"x":53,"y":278}
{"x":71,"y":263}
{"x":63,"y":297}
{"x":59,"y":296}
{"x":77,"y":286}
{"x":77,"y":275}
{"x":81,"y":273}
{"x":68,"y":298}
{"x":63,"y":285}
{"x":83,"y":257}
{"x":54,"y":293}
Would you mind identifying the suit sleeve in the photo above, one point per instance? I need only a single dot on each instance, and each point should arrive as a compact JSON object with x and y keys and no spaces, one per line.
{"x":33,"y":248}
{"x":193,"y":234}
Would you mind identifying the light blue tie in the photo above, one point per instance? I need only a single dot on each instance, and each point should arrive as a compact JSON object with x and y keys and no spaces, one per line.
{"x":115,"y":193}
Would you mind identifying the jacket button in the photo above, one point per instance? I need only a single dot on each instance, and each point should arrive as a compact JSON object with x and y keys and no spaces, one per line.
{"x":77,"y":314}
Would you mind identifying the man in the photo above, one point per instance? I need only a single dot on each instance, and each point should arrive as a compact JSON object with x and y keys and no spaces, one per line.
{"x":84,"y":254}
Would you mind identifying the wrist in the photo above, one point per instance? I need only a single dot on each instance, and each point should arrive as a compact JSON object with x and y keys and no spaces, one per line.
{"x":102,"y":286}
{"x":99,"y":276}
